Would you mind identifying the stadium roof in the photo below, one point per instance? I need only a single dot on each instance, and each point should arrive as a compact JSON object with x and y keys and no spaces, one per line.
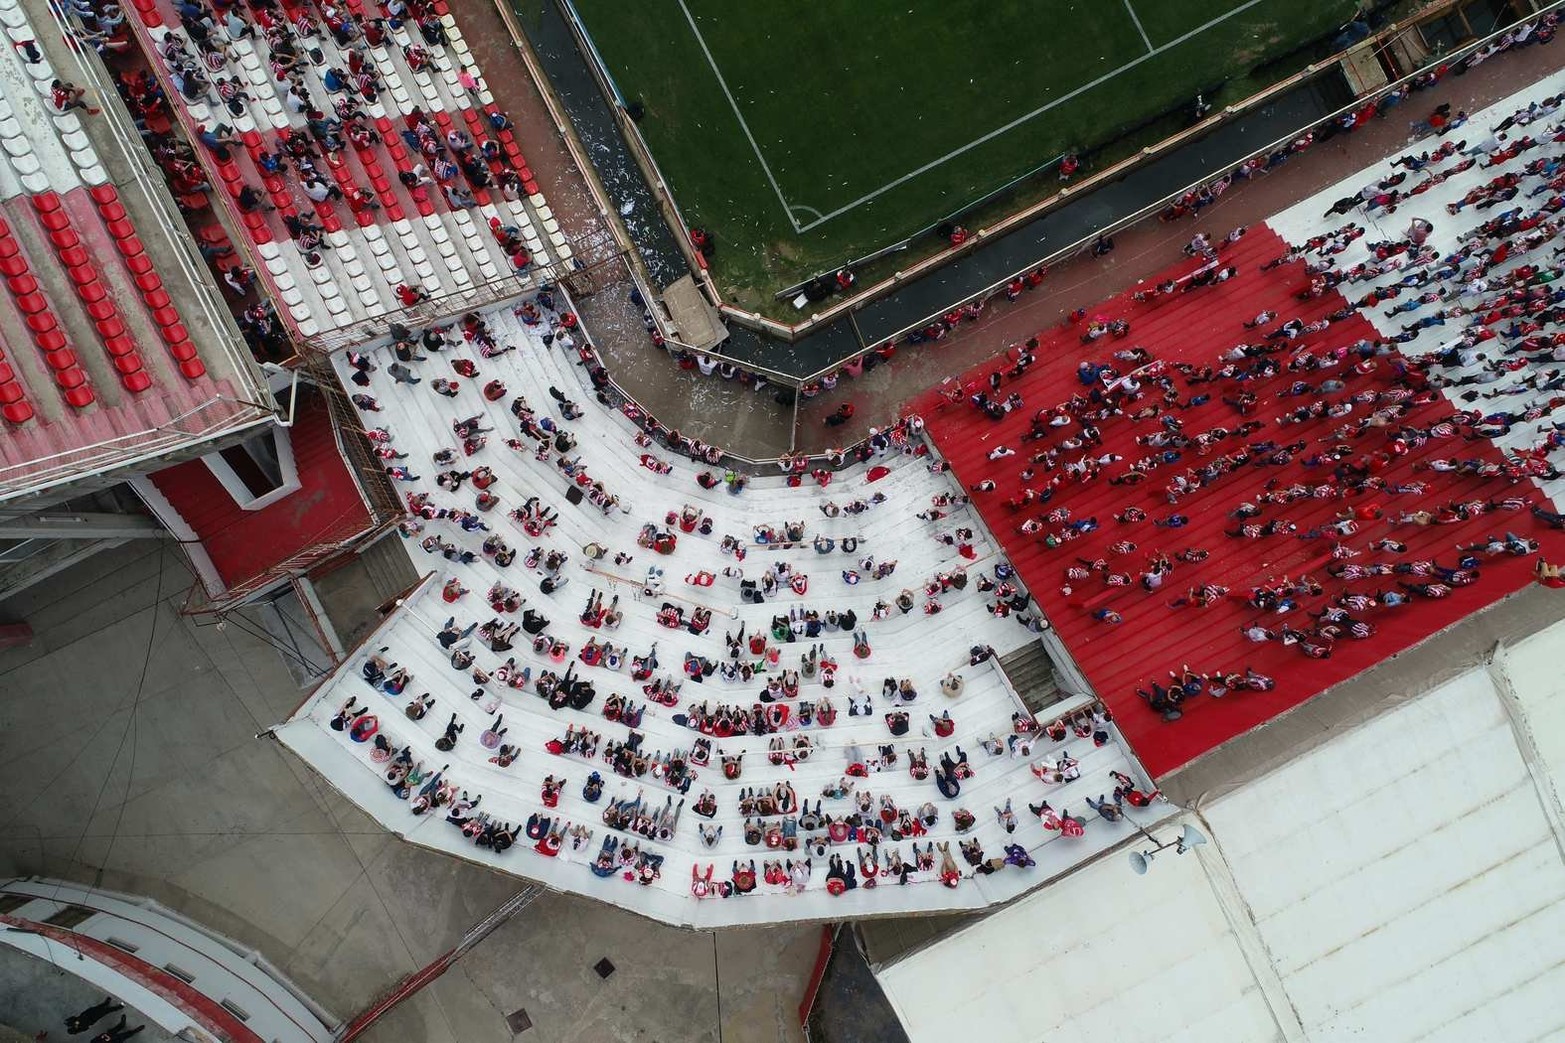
{"x":1405,"y":881}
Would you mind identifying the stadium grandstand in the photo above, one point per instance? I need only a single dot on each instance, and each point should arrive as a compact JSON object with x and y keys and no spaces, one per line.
{"x":1234,"y":559}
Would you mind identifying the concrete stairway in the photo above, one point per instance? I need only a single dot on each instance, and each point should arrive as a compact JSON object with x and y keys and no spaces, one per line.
{"x":352,"y":593}
{"x":1031,"y":673}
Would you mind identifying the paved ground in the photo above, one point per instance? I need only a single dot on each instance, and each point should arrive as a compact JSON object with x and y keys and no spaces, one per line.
{"x":129,"y":757}
{"x":36,"y":997}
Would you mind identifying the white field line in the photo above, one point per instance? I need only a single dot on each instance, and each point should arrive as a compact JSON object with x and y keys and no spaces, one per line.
{"x":972,"y":144}
{"x":740,"y":117}
{"x":1139,"y":27}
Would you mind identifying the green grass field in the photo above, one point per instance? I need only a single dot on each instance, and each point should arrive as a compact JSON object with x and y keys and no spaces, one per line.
{"x":805,"y":133}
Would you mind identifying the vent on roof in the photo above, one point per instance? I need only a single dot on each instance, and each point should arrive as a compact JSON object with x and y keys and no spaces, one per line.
{"x":180,"y":973}
{"x":236,"y":1010}
{"x":120,"y":943}
{"x":69,"y":917}
{"x":11,"y":903}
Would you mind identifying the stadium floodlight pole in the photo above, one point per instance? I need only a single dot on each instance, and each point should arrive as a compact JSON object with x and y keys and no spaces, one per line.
{"x":1188,"y":838}
{"x":416,"y":981}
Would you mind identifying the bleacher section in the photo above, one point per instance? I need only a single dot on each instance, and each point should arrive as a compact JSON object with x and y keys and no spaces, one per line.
{"x":659,"y":599}
{"x":393,"y":234}
{"x":97,"y":353}
{"x":1398,"y":468}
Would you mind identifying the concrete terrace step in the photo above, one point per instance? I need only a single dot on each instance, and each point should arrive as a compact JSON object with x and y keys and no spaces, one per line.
{"x":1031,"y":673}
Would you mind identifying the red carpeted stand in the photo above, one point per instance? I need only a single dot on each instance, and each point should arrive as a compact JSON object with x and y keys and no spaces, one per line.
{"x":1155,"y":638}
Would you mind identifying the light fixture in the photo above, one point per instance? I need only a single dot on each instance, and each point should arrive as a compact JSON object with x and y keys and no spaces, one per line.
{"x":1188,"y":838}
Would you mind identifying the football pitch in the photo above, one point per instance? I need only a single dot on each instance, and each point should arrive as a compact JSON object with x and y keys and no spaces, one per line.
{"x":808,"y":132}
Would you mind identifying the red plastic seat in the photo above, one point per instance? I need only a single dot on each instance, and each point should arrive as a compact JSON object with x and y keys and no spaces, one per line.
{"x":165,"y":315}
{"x":55,"y":220}
{"x":93,"y":293}
{"x":80,"y":396}
{"x":32,"y":303}
{"x":128,"y":363}
{"x":17,"y":412}
{"x":136,"y":382}
{"x":174,"y":333}
{"x":148,"y":282}
{"x":11,"y":392}
{"x":395,"y":213}
{"x":11,"y":266}
{"x":8,"y":247}
{"x":157,"y":298}
{"x":73,"y":257}
{"x":121,"y":228}
{"x":130,"y":246}
{"x":42,"y":322}
{"x":64,"y":238}
{"x":114,"y":211}
{"x":192,"y":369}
{"x":46,"y":202}
{"x":21,"y":284}
{"x":123,"y":344}
{"x":82,"y":274}
{"x":102,"y":194}
{"x":139,"y":264}
{"x":7,"y":374}
{"x":183,"y":351}
{"x":50,"y":340}
{"x":61,"y":359}
{"x":112,"y":326}
{"x":70,"y":378}
{"x":254,"y":222}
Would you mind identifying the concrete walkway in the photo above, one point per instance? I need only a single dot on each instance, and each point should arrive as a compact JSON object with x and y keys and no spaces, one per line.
{"x":129,"y":757}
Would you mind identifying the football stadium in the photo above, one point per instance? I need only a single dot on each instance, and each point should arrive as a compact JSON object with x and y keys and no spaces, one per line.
{"x":429,"y":610}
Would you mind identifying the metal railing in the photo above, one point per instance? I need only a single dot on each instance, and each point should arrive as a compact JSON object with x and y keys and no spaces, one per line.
{"x":150,"y":184}
{"x":1080,"y":245}
{"x":380,"y":498}
{"x":123,"y":451}
{"x":427,"y":312}
{"x":640,"y":151}
{"x":339,"y":536}
{"x":873,"y":291}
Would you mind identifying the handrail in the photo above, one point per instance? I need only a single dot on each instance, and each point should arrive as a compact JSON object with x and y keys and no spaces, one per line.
{"x":639,"y":150}
{"x":230,"y":341}
{"x":121,"y":451}
{"x":867,"y":294}
{"x":1465,"y":51}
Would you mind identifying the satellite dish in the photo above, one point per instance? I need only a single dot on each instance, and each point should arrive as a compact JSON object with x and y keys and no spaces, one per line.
{"x":1139,"y":862}
{"x":1190,"y":838}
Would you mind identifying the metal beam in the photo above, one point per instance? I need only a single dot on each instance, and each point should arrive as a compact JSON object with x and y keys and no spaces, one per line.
{"x":79,"y":526}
